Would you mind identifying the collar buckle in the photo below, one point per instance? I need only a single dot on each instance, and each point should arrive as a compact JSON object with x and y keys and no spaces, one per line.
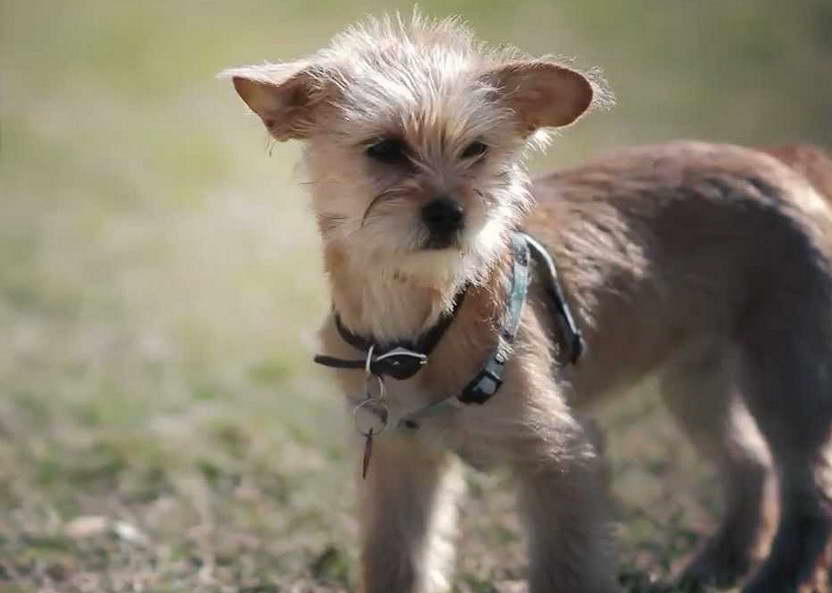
{"x":399,"y":363}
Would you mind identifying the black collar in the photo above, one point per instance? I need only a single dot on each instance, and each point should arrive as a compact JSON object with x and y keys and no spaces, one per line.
{"x":400,"y":360}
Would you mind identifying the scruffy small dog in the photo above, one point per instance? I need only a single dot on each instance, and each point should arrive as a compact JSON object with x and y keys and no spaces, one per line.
{"x":708,"y":264}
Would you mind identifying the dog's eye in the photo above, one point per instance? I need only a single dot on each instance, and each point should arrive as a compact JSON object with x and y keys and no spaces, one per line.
{"x":474,"y":149}
{"x":388,"y":150}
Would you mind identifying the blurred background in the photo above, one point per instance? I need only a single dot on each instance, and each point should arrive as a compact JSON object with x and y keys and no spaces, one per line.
{"x":162,"y":427}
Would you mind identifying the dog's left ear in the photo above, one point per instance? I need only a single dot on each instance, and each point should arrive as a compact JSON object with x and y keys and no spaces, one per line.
{"x":287,"y":97}
{"x":543,"y":94}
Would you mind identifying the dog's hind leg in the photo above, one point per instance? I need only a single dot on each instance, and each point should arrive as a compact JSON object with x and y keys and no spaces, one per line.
{"x":700,"y":391}
{"x":786,"y":373}
{"x":408,"y":516}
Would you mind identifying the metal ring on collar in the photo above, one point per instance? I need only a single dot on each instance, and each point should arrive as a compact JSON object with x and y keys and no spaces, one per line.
{"x":369,"y":360}
{"x":370,"y":417}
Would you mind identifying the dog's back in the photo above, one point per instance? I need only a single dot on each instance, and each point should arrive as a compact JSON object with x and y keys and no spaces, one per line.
{"x":672,"y":224}
{"x":810,"y":161}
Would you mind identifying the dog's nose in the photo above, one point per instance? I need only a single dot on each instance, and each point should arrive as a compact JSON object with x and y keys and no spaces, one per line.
{"x":443,"y":216}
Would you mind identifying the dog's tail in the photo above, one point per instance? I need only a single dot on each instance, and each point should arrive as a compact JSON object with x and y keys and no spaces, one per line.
{"x":813,"y":162}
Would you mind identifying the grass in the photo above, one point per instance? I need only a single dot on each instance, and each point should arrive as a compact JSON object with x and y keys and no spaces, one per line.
{"x":161,"y":426}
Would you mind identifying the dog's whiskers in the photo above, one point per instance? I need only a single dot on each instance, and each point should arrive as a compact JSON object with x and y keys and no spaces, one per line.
{"x":387,"y":194}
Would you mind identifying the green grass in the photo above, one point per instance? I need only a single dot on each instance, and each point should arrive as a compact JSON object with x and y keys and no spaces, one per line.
{"x":161,"y":426}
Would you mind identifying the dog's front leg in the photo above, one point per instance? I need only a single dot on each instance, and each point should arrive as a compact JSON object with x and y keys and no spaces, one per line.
{"x":562,"y":496}
{"x":560,"y":486}
{"x":408,"y":513}
{"x":570,"y":549}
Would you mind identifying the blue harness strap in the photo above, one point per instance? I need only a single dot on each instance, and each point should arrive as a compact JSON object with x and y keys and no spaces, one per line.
{"x":489,"y":380}
{"x":572,"y":342}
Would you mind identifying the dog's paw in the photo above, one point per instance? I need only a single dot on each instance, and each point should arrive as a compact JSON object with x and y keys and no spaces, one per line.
{"x":715,"y":566}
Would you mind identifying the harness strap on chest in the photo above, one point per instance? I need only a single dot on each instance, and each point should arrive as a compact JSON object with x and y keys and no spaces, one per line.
{"x":489,"y":380}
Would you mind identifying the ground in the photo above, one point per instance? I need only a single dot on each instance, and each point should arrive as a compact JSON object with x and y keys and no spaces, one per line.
{"x":251,"y":495}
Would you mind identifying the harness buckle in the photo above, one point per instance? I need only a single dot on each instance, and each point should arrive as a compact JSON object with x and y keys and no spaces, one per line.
{"x":484,"y":384}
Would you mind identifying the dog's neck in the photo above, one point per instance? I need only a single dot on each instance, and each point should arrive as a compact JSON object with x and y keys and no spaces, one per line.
{"x":386,"y":303}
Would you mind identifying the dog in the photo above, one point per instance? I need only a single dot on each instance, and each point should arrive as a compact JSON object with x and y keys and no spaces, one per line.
{"x":453,"y":335}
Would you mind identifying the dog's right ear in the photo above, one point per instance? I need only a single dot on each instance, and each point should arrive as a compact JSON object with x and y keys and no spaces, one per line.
{"x":287,"y":97}
{"x":543,"y":94}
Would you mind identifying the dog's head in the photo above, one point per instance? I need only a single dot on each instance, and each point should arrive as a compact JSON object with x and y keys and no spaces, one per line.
{"x":415,"y":135}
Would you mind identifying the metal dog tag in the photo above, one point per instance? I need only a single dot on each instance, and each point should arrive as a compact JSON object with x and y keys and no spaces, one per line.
{"x":368,"y":451}
{"x":370,"y":419}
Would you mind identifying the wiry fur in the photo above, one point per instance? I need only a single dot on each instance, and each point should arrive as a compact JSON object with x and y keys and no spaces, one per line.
{"x":812,"y":162}
{"x":708,"y":264}
{"x":427,"y":81}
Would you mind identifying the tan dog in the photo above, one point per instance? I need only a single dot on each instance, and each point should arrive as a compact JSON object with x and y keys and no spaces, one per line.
{"x":709,"y":264}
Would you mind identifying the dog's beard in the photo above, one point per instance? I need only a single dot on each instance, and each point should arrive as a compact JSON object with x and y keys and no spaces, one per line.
{"x":387,"y":238}
{"x":407,"y":252}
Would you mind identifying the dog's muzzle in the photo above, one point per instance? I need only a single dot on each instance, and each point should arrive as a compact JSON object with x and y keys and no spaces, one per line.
{"x":444,"y":219}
